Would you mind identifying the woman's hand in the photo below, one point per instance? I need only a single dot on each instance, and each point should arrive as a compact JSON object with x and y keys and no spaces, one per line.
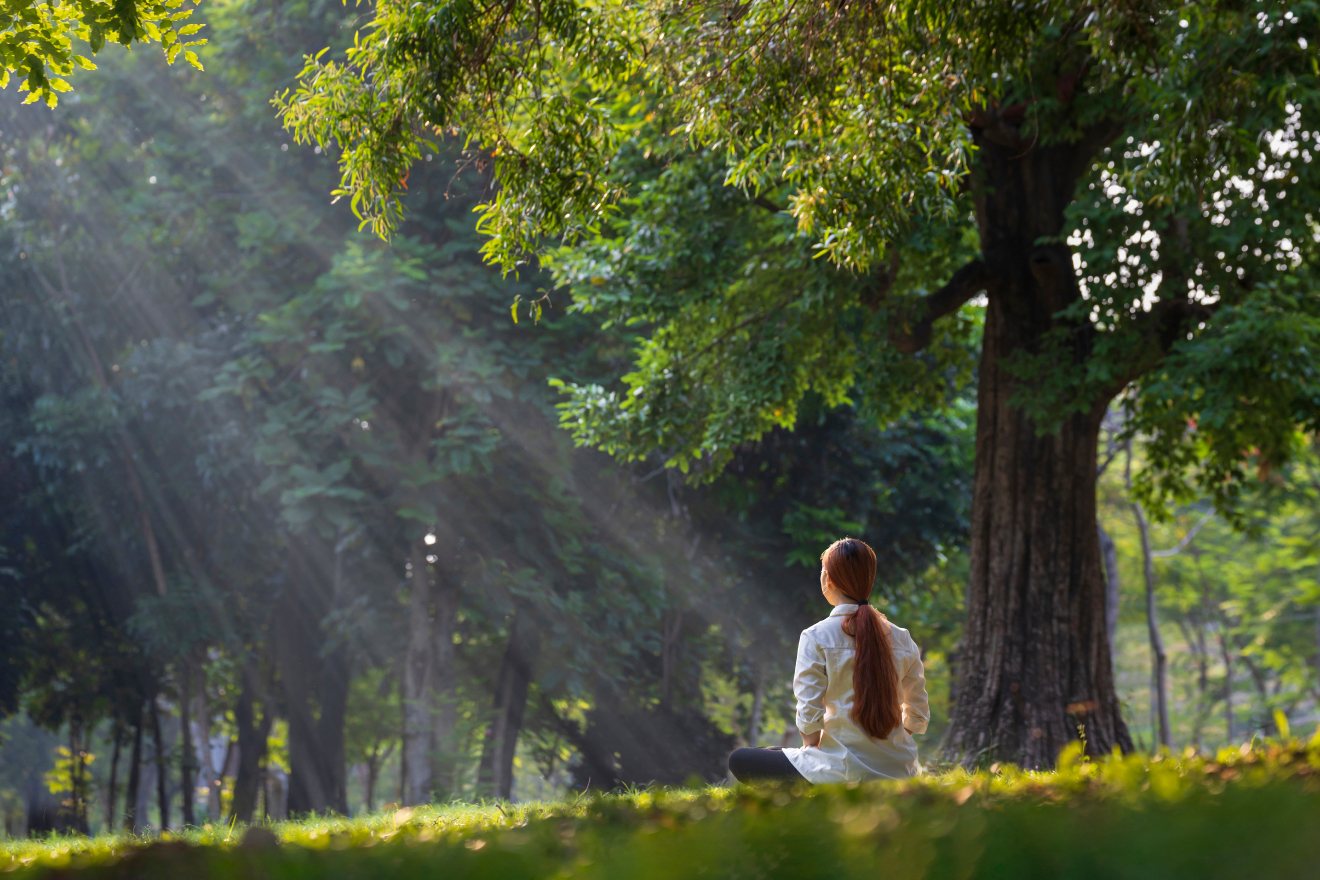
{"x":810,"y":739}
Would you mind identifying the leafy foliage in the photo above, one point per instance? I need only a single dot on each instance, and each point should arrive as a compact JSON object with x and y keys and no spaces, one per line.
{"x":38,"y":39}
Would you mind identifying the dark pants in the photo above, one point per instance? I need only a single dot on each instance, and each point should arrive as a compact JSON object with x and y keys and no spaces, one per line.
{"x":763,"y":765}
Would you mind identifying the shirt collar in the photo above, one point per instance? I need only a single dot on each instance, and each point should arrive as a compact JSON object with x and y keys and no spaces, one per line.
{"x":841,"y":610}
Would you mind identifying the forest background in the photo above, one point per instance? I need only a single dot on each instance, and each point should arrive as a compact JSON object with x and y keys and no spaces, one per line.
{"x":288,"y":523}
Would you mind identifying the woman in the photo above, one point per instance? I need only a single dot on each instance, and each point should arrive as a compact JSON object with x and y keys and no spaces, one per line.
{"x":860,"y":688}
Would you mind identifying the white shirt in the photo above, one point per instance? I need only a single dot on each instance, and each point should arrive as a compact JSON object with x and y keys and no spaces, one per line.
{"x":823,"y":685}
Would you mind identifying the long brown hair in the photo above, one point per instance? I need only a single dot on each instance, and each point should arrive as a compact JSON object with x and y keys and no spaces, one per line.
{"x":877,"y":706}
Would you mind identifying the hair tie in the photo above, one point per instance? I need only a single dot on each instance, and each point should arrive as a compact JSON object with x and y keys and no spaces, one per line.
{"x":859,"y":601}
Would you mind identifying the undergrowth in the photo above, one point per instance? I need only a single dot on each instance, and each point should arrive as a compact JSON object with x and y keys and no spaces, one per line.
{"x":1251,"y":811}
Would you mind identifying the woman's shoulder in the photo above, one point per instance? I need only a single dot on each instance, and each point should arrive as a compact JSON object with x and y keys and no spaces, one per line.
{"x":827,"y":627}
{"x":900,"y":637}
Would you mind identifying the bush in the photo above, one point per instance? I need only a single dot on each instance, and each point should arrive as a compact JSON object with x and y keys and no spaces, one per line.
{"x":1252,"y":812}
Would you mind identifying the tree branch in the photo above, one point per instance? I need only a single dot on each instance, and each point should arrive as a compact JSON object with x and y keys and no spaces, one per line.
{"x":1186,"y":539}
{"x":910,"y":337}
{"x":1161,"y":327}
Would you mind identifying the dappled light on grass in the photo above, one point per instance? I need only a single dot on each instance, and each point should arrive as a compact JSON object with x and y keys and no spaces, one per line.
{"x":1207,"y":816}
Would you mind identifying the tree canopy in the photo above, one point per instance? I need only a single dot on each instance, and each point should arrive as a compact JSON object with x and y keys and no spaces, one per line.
{"x":618,"y":123}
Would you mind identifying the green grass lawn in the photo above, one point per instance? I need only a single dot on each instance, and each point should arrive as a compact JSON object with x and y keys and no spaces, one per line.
{"x":1253,"y":812}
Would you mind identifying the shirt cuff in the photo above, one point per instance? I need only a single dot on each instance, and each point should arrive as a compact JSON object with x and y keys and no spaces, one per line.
{"x":810,"y":727}
{"x":914,"y":723}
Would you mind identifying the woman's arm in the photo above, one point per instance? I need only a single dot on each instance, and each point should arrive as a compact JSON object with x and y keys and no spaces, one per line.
{"x":809,"y":682}
{"x":916,"y":704}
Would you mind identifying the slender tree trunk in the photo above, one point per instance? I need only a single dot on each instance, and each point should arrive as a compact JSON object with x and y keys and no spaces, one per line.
{"x":112,"y":788}
{"x":373,"y":771}
{"x":444,"y":705}
{"x":495,"y":772}
{"x":330,"y":729}
{"x":202,"y":745}
{"x":131,"y":817}
{"x":1317,"y":651}
{"x":1113,"y":587}
{"x":1159,"y":659}
{"x":1035,"y":663}
{"x":162,"y":768}
{"x":418,"y":684}
{"x":1194,"y":634}
{"x":309,"y":676}
{"x":77,"y":777}
{"x":1228,"y":685}
{"x":252,"y":740}
{"x":298,"y":643}
{"x":187,"y":758}
{"x":671,"y":632}
{"x":758,"y":702}
{"x":1267,"y":726}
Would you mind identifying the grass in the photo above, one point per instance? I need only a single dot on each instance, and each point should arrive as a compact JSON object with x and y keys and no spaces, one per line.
{"x":1248,"y":812}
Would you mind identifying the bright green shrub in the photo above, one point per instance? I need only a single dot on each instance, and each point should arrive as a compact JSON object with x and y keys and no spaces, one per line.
{"x":1248,"y":813}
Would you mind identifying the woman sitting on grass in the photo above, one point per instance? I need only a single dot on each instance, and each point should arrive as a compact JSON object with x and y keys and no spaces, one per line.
{"x":860,"y":688}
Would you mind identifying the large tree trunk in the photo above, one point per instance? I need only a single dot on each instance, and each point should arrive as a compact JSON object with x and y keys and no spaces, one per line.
{"x":495,"y":772}
{"x":1035,"y":658}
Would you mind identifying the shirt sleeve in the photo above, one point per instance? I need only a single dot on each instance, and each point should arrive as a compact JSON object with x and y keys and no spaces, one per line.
{"x":916,"y":704}
{"x":809,"y":682}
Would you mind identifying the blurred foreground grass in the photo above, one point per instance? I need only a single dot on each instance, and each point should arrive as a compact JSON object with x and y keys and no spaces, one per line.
{"x":1248,"y":812}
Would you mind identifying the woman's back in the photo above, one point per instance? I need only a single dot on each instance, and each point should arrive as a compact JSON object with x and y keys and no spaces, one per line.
{"x":824,"y":687}
{"x":859,"y":683}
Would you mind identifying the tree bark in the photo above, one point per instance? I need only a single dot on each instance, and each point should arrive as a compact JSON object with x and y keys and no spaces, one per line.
{"x":1036,"y":664}
{"x":495,"y":772}
{"x":131,"y":817}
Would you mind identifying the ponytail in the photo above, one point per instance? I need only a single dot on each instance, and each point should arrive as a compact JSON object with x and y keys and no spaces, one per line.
{"x":877,"y":706}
